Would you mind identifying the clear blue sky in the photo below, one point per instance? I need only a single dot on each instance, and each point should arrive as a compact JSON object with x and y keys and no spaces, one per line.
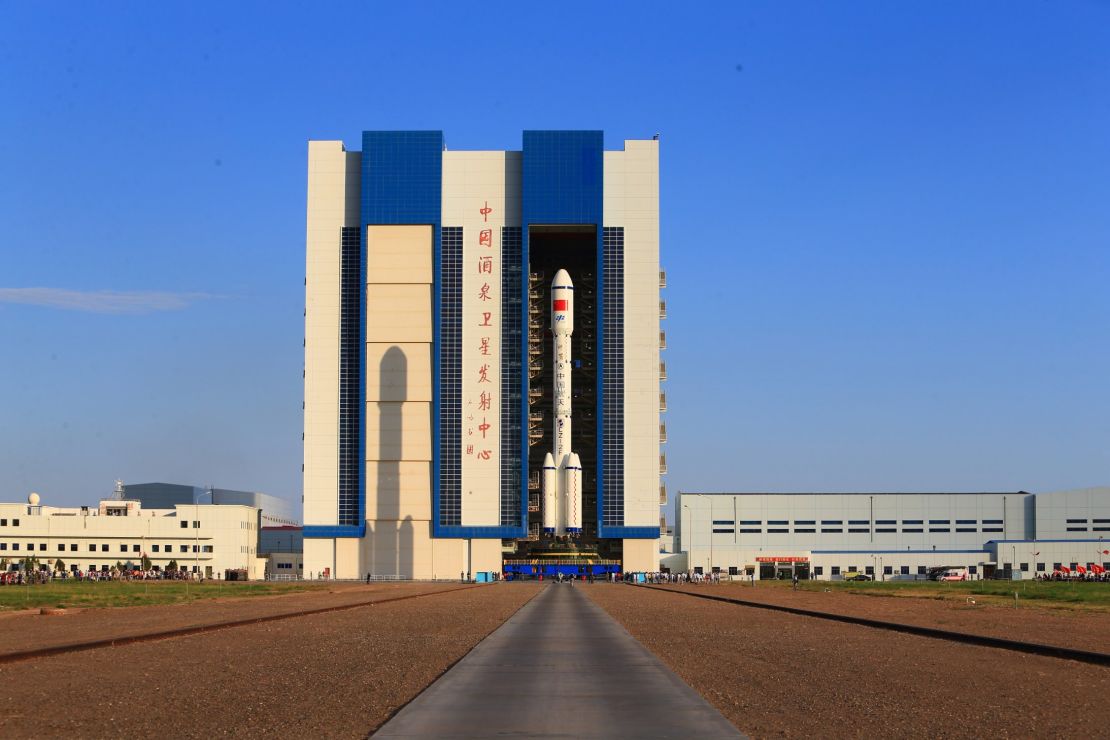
{"x":886,"y":226}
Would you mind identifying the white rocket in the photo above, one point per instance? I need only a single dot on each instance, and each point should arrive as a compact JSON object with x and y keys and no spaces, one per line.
{"x":562,"y":469}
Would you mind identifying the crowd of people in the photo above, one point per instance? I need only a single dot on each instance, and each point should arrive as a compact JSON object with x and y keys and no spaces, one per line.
{"x":41,"y":577}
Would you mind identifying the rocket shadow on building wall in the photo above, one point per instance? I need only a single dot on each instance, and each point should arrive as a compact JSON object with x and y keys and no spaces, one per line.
{"x":389,"y":538}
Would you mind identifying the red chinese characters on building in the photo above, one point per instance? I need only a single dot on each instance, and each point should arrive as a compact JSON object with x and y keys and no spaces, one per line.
{"x":481,"y":356}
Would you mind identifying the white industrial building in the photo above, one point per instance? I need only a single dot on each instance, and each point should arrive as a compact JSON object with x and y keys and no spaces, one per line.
{"x":204,"y":539}
{"x":891,"y":535}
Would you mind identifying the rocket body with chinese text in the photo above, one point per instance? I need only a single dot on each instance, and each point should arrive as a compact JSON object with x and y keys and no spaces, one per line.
{"x":562,"y":506}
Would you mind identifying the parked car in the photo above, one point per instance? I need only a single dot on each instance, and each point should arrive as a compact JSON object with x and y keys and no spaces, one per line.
{"x":855,"y":575}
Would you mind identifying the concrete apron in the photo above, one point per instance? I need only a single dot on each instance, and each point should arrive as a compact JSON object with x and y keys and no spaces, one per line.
{"x":559,"y":668}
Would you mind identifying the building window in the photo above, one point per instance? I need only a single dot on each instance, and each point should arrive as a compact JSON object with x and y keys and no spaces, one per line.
{"x":1101,"y":521}
{"x":196,"y":525}
{"x":184,"y":548}
{"x":184,"y":524}
{"x":154,"y":548}
{"x":751,"y":531}
{"x":728,"y":522}
{"x":104,"y":548}
{"x":835,"y":570}
{"x":869,"y":570}
{"x":15,"y":522}
{"x":123,"y":548}
{"x":1077,"y":521}
{"x":733,"y":570}
{"x":73,"y":547}
{"x":992,"y":529}
{"x":967,"y":521}
{"x":860,"y":521}
{"x":778,"y":531}
{"x":888,"y":570}
{"x":1074,"y":566}
{"x":778,"y":522}
{"x":912,"y":521}
{"x":697,"y":569}
{"x":858,"y":531}
{"x":1040,"y":567}
{"x":1077,"y":529}
{"x":940,"y":521}
{"x":3,"y":522}
{"x":450,"y":376}
{"x":752,"y":521}
{"x":832,"y":521}
{"x":921,"y":570}
{"x":61,"y":548}
{"x":965,"y":529}
{"x":611,"y":290}
{"x":3,"y":545}
{"x":723,"y":531}
{"x":911,"y":531}
{"x":134,"y":548}
{"x":832,"y":531}
{"x":804,"y":531}
{"x":1024,"y":567}
{"x":885,"y":530}
{"x":992,"y":521}
{"x":939,"y":529}
{"x":972,"y":569}
{"x":350,"y":369}
{"x":886,"y":521}
{"x":92,"y":548}
{"x":818,"y":570}
{"x":1056,"y":566}
{"x":511,"y":323}
{"x":15,"y":545}
{"x":804,"y":521}
{"x":905,"y":570}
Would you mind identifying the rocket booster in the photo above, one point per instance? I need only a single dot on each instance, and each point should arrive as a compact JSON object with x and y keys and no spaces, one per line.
{"x":562,"y":491}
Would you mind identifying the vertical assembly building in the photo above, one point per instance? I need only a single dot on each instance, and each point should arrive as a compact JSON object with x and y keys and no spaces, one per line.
{"x":429,"y":401}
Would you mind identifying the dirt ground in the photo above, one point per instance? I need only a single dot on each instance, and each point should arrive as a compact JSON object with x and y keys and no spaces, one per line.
{"x":1085,"y":630}
{"x":27,"y":630}
{"x":339,"y":674}
{"x":781,"y":675}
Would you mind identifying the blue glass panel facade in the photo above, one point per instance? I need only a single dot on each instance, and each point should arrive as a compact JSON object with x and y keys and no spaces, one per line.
{"x":350,"y":374}
{"x":612,"y":376}
{"x":450,"y":377}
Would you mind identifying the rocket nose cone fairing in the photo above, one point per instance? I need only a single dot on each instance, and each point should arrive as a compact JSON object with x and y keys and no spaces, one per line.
{"x":548,"y":461}
{"x":562,"y":303}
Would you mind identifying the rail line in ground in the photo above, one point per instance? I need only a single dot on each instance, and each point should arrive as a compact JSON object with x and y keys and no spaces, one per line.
{"x":1032,"y":648}
{"x":75,"y":647}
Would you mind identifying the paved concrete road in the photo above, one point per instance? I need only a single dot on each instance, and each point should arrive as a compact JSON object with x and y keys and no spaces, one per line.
{"x":560,"y":667}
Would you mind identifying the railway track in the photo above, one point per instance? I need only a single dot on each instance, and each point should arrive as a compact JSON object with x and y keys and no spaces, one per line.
{"x":1021,"y":646}
{"x":75,"y":647}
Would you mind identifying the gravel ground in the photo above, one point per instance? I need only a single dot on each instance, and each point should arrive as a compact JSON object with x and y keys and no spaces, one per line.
{"x":1083,"y":629}
{"x":780,"y":675}
{"x":27,"y":630}
{"x":340,"y":674}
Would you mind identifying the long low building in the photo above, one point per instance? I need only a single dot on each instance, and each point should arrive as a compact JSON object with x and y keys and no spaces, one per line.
{"x":892,"y":536}
{"x":204,"y":539}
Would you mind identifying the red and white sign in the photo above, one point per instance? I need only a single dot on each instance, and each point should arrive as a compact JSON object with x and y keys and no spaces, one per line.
{"x":783,"y":559}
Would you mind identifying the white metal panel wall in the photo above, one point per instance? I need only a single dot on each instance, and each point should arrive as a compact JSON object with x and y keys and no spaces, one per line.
{"x":333,"y":195}
{"x":632,"y":201}
{"x":481,"y":193}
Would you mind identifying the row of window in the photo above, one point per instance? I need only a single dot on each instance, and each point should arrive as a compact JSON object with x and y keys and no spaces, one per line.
{"x":855,"y":522}
{"x":4,"y":522}
{"x":853,"y":530}
{"x":30,"y":547}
